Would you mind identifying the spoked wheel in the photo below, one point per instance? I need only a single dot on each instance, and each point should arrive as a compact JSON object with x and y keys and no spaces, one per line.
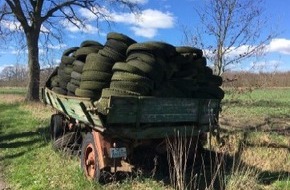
{"x":89,"y":158}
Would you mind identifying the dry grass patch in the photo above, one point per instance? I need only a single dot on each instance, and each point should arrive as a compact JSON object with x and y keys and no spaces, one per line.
{"x":11,"y":98}
{"x":38,"y":110}
{"x":267,"y":159}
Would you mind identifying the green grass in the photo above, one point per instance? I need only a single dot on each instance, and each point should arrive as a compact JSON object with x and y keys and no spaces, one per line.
{"x":257,"y":104}
{"x":28,"y":159}
{"x":261,"y":117}
{"x":13,"y":90}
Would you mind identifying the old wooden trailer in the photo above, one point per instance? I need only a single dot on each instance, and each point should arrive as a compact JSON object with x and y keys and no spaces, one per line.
{"x":110,"y":128}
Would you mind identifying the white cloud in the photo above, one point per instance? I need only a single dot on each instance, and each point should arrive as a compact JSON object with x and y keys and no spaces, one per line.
{"x":144,"y":32}
{"x":145,"y":24}
{"x":89,"y":29}
{"x":59,"y":46}
{"x":237,"y":51}
{"x":232,"y":51}
{"x":11,"y":25}
{"x":279,"y":45}
{"x":267,"y":66}
{"x":141,"y":2}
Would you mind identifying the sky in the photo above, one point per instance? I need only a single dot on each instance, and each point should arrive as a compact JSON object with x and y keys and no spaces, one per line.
{"x":164,"y":20}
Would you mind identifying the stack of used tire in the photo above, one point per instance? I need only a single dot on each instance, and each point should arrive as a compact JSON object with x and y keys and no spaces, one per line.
{"x":124,"y":67}
{"x":97,"y":70}
{"x":59,"y":82}
{"x":143,"y":71}
{"x":193,"y":77}
{"x":86,"y":47}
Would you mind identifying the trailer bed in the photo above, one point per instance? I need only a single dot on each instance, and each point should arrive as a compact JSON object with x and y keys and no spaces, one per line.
{"x":138,"y":117}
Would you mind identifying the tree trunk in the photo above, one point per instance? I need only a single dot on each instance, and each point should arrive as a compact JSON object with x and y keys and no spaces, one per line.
{"x":34,"y":68}
{"x":218,"y":65}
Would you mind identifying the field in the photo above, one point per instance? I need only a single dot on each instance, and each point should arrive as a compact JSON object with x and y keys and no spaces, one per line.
{"x":255,"y":145}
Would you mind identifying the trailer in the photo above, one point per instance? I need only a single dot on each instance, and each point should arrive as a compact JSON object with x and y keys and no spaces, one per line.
{"x":109,"y":129}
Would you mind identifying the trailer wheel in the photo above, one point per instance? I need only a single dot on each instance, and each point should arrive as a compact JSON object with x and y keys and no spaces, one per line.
{"x":56,"y":126}
{"x":64,"y":141}
{"x":89,"y":158}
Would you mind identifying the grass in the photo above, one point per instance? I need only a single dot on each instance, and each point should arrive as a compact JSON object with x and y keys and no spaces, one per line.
{"x":13,"y":90}
{"x":258,"y":120}
{"x":28,"y":159}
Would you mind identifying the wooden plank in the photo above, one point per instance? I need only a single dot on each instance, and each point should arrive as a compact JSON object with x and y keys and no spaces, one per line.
{"x":158,"y":110}
{"x":157,"y":132}
{"x":71,"y":106}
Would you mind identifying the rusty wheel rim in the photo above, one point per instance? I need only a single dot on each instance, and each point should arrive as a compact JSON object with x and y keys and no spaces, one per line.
{"x":90,"y":161}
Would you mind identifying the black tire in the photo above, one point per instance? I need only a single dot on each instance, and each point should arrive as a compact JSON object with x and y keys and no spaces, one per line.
{"x":167,"y":49}
{"x":153,"y":72}
{"x":89,"y":158}
{"x":94,"y":65}
{"x":118,"y":46}
{"x":93,"y":85}
{"x":138,"y":87}
{"x":107,"y":92}
{"x":68,"y":69}
{"x":124,"y":67}
{"x":87,"y":93}
{"x":123,"y":76}
{"x":71,"y":87}
{"x":84,"y":51}
{"x":120,"y":37}
{"x":55,"y":81}
{"x":198,"y":64}
{"x":167,"y":90}
{"x":57,"y":127}
{"x":112,"y":54}
{"x":89,"y":43}
{"x":143,"y":47}
{"x":70,"y":93}
{"x":67,"y":60}
{"x":210,"y":92}
{"x":185,"y":74}
{"x":96,"y":76}
{"x":98,"y":57}
{"x":78,"y":66}
{"x":215,"y":80}
{"x":188,"y":49}
{"x":75,"y":82}
{"x":69,"y":51}
{"x":143,"y":56}
{"x":75,"y":75}
{"x":59,"y":90}
{"x":184,"y":85}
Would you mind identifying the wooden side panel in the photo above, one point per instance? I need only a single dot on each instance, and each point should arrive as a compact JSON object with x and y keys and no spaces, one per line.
{"x":74,"y":107}
{"x":160,"y":110}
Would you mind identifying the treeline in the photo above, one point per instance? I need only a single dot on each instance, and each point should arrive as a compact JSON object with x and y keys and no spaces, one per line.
{"x":248,"y":79}
{"x":17,"y":75}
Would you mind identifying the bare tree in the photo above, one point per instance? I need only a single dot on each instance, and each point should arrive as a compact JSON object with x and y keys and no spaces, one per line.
{"x":230,"y":31}
{"x":15,"y":75}
{"x":7,"y":73}
{"x":33,"y":18}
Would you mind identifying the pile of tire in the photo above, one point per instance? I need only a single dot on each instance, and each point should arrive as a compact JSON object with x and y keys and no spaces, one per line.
{"x":124,"y":67}
{"x":97,"y":70}
{"x":59,"y":82}
{"x":86,"y":47}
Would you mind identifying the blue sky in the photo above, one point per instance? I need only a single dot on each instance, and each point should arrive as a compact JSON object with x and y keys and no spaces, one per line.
{"x":163,"y":20}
